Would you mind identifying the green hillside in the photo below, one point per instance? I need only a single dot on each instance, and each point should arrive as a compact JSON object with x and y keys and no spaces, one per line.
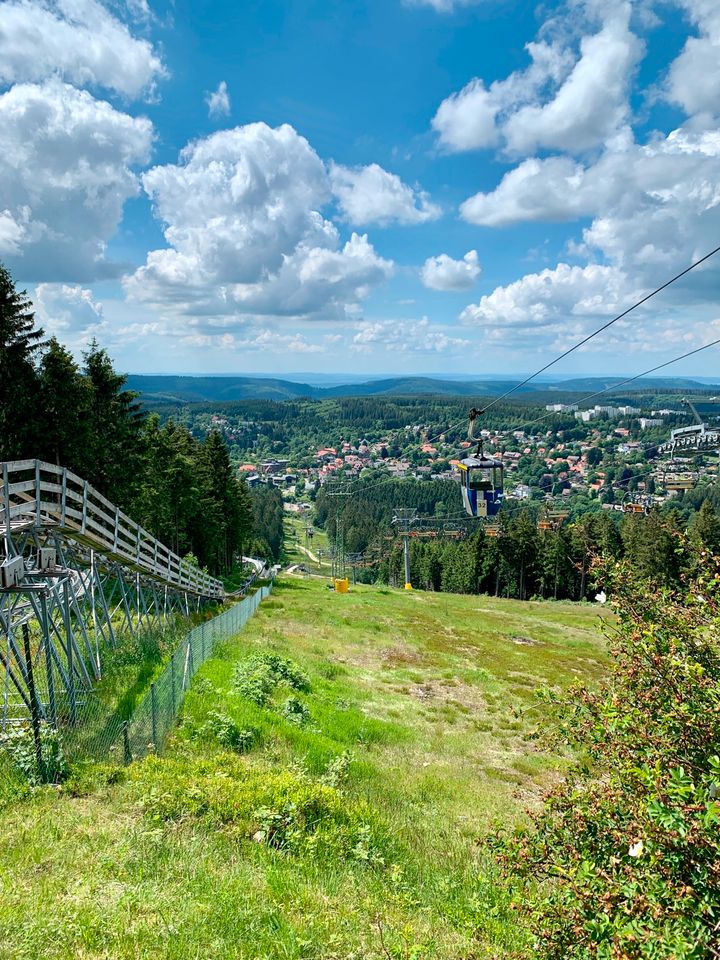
{"x":326,"y":801}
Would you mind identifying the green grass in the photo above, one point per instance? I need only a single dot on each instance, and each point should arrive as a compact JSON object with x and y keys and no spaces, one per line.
{"x":295,"y":539}
{"x":349,"y":829}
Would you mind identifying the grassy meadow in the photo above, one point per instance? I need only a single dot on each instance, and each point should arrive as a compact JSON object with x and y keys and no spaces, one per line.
{"x":325,"y":795}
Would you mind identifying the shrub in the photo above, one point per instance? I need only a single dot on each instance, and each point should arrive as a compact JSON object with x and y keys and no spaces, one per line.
{"x":627,"y":850}
{"x":283,"y":810}
{"x":19,"y":743}
{"x":295,"y":711}
{"x":336,"y":772}
{"x":224,"y":729}
{"x":259,"y":676}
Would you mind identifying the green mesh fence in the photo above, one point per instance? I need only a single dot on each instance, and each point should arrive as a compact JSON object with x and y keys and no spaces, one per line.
{"x":83,"y":726}
{"x":148,"y":727}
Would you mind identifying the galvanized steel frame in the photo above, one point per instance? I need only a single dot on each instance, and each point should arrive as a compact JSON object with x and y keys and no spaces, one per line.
{"x":111,"y":577}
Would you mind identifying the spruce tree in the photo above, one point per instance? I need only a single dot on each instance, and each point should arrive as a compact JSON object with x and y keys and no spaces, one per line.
{"x":65,"y":399}
{"x":705,"y":529}
{"x":19,"y":402}
{"x":114,"y":426}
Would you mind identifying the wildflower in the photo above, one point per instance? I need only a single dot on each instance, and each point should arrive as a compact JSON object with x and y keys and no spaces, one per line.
{"x":636,"y":849}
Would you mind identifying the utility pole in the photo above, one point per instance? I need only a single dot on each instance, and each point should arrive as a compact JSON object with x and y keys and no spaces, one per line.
{"x":403,"y":519}
{"x":338,"y":489}
{"x":354,"y":559}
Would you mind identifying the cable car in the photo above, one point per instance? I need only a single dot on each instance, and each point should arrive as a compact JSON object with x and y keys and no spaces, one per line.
{"x":481,"y":480}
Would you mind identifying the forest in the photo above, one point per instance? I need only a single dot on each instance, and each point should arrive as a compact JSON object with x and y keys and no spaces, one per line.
{"x":519,"y":560}
{"x":182,"y":489}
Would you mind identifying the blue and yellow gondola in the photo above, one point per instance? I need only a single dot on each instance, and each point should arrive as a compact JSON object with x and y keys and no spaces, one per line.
{"x":481,"y":482}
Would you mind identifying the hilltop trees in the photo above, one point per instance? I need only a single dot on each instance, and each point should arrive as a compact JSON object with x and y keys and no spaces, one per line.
{"x":20,"y":342}
{"x":523,"y":562}
{"x":705,"y":529}
{"x":115,"y":421}
{"x":182,"y":490}
{"x":65,"y":403}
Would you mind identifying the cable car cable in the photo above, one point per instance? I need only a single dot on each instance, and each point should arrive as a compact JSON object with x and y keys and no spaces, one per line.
{"x":605,"y":326}
{"x":615,"y":386}
{"x":587,"y":339}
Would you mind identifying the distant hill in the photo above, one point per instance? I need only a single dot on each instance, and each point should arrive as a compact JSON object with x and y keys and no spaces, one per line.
{"x":167,"y":389}
{"x":171,"y":389}
{"x":586,"y":384}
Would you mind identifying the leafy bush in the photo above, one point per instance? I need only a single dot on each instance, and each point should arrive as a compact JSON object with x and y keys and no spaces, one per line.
{"x":295,"y":711}
{"x":627,"y":850}
{"x":336,"y":772}
{"x":224,"y":729}
{"x":283,"y":810}
{"x":259,"y":676}
{"x":19,"y":744}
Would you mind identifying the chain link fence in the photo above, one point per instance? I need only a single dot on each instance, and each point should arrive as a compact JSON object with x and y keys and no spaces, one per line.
{"x":60,"y":731}
{"x":148,"y":727}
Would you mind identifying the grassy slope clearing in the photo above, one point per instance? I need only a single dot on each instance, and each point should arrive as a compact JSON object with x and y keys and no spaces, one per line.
{"x":324,"y":803}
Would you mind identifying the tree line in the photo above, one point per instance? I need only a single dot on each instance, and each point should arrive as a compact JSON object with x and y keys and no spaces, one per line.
{"x":524,"y":562}
{"x":184,"y":490}
{"x":521,"y":560}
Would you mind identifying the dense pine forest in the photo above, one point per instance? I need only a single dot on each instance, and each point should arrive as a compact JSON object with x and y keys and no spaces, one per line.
{"x":183,"y":490}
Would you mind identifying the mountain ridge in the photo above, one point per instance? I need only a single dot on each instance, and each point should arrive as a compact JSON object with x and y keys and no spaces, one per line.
{"x":182,"y":389}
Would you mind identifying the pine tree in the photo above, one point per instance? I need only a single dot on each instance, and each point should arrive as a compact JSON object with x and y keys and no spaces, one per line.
{"x":114,"y":429}
{"x":65,"y":399}
{"x":19,"y":401}
{"x":705,"y":529}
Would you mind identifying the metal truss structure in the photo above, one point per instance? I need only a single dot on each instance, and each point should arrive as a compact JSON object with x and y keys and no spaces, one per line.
{"x":76,"y":576}
{"x":339,"y":490}
{"x":697,"y":438}
{"x":692,"y":440}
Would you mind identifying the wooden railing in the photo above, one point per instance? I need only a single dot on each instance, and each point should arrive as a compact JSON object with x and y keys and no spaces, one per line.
{"x":38,"y":494}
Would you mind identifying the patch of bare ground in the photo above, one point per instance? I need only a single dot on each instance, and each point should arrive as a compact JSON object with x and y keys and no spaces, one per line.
{"x":400,"y":654}
{"x":452,"y":692}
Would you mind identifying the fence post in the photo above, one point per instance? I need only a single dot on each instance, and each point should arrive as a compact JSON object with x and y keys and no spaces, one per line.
{"x":202,"y":639}
{"x":52,"y":703}
{"x":172,"y":680}
{"x":153,"y":709}
{"x":33,"y":703}
{"x":127,"y":755}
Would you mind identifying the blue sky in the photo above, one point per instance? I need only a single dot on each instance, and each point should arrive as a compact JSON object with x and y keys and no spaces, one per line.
{"x":367,"y":186}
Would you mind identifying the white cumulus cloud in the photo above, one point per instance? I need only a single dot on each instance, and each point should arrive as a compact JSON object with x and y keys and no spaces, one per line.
{"x":562,"y":100}
{"x":405,"y":336}
{"x":66,"y":169}
{"x":218,"y":102}
{"x":549,"y":298}
{"x":444,"y":273}
{"x":77,"y":40}
{"x":651,"y":203}
{"x":370,"y":194}
{"x":246,"y":238}
{"x":694,"y":77}
{"x":71,"y":313}
{"x":591,"y":103}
